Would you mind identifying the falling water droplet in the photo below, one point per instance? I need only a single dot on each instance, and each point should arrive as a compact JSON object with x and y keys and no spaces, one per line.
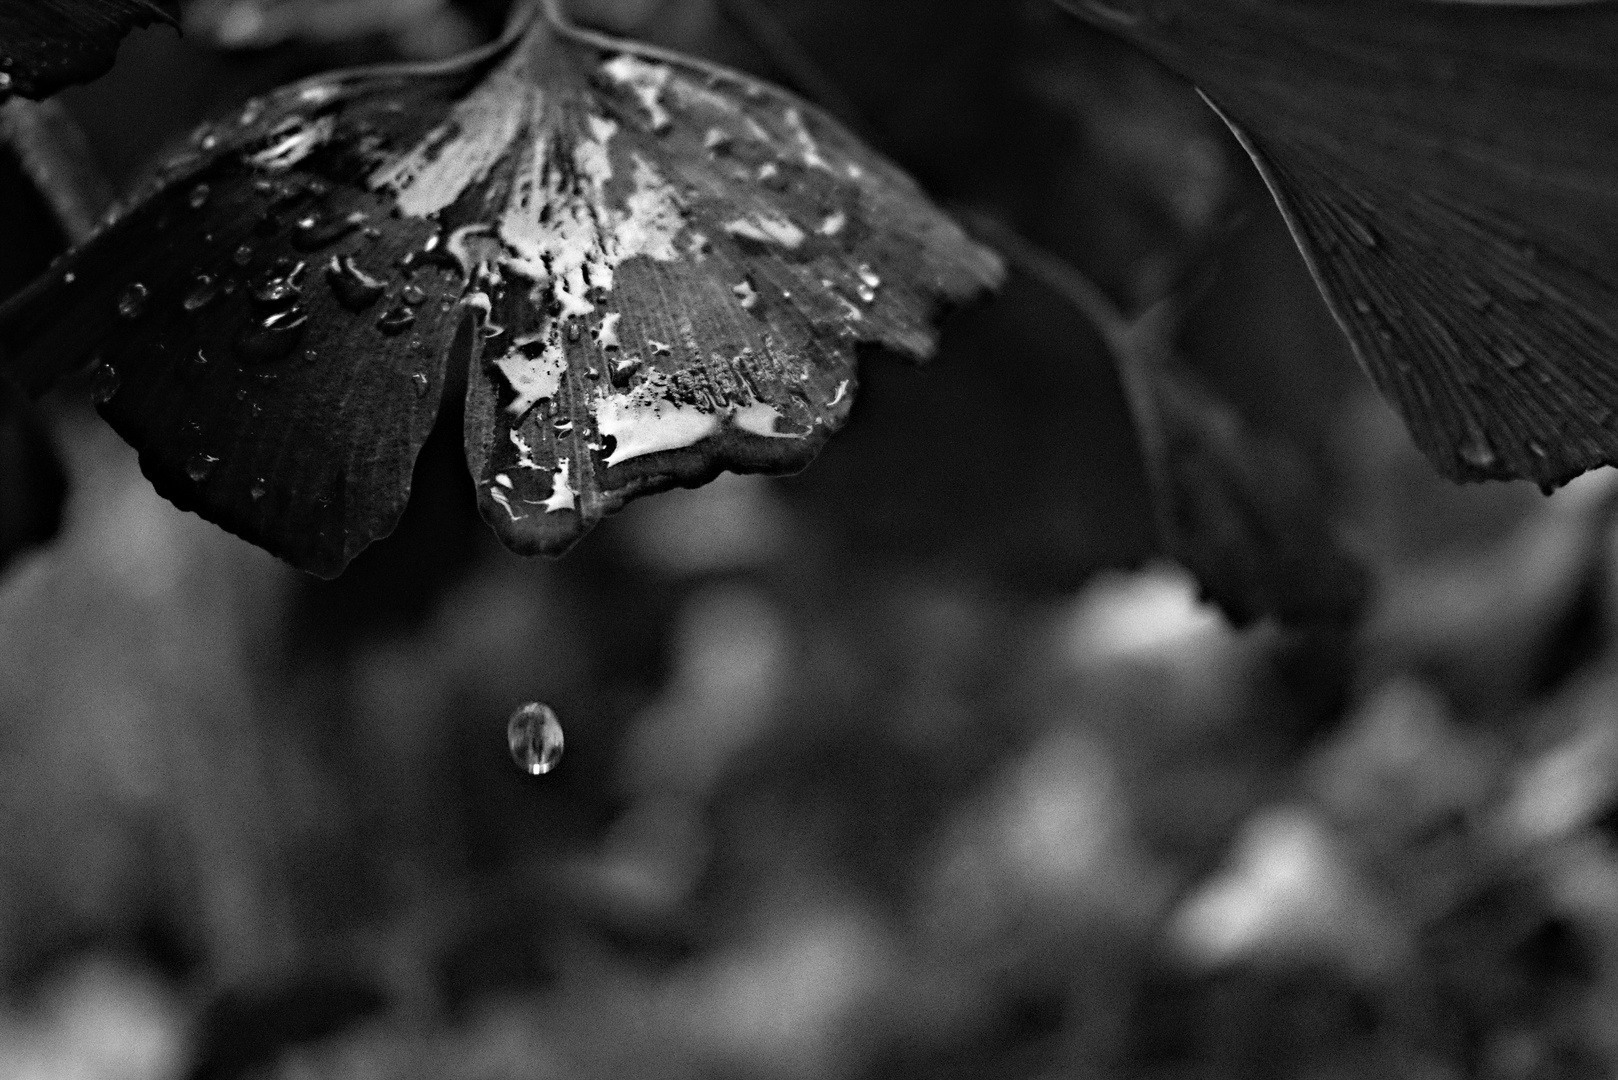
{"x":199,"y":465}
{"x":396,"y":320}
{"x":354,"y":288}
{"x":198,"y":197}
{"x":132,"y":301}
{"x":535,"y":737}
{"x":104,"y":384}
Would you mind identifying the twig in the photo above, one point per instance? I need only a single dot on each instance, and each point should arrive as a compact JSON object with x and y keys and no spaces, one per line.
{"x":1140,"y":347}
{"x":56,"y":158}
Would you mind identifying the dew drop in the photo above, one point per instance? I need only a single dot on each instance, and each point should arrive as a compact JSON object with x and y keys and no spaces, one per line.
{"x":1537,"y":448}
{"x":242,"y":255}
{"x":199,"y":466}
{"x":1362,"y":232}
{"x":202,"y":293}
{"x":5,"y":83}
{"x":354,"y":288}
{"x":1477,"y":452}
{"x":535,"y":737}
{"x":272,"y":338}
{"x":313,"y":231}
{"x":132,"y":301}
{"x":412,"y":295}
{"x":1513,"y":357}
{"x":396,"y":320}
{"x":104,"y":384}
{"x":198,"y":197}
{"x":420,"y":382}
{"x":1362,"y":305}
{"x":258,"y":490}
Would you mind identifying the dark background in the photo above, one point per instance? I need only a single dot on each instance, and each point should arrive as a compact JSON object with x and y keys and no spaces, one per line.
{"x":915,"y":765}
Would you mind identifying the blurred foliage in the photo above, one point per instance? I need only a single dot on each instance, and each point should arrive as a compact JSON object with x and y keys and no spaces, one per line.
{"x":911,"y":766}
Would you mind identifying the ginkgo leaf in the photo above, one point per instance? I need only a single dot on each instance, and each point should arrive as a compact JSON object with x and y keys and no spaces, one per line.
{"x":1243,"y":514}
{"x":48,"y":44}
{"x":639,"y":269}
{"x":1448,"y":170}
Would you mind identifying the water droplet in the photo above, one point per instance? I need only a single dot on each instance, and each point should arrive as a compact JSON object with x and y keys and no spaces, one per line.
{"x":866,"y":294}
{"x":535,"y":737}
{"x":420,"y":381}
{"x":396,"y":320}
{"x":242,"y":255}
{"x":1476,"y":451}
{"x":869,"y":277}
{"x":315,"y":231}
{"x":746,"y":294}
{"x":104,"y":384}
{"x":412,"y":295}
{"x":251,"y":112}
{"x":1537,"y":448}
{"x":199,"y":465}
{"x":202,"y":293}
{"x":5,"y":83}
{"x":1362,"y":305}
{"x":354,"y":288}
{"x":132,"y":301}
{"x":69,"y":278}
{"x":198,"y":197}
{"x":272,"y":338}
{"x":1362,"y":232}
{"x":1513,"y":357}
{"x":279,"y":290}
{"x":258,"y":490}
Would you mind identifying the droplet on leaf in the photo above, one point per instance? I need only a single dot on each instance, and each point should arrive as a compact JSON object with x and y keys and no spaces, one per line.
{"x":202,"y":293}
{"x":273,"y":337}
{"x":132,"y":301}
{"x":199,"y":466}
{"x":198,"y":197}
{"x":354,"y":288}
{"x":535,"y":738}
{"x":104,"y":384}
{"x":396,"y":320}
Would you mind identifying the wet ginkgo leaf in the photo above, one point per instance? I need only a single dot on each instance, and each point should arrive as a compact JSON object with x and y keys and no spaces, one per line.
{"x":637,"y":269}
{"x":48,"y":44}
{"x":1451,"y":175}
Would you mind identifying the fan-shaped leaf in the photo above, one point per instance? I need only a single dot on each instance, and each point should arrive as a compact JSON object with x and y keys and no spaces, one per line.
{"x":48,"y":44}
{"x":1451,"y":174}
{"x":641,"y":269}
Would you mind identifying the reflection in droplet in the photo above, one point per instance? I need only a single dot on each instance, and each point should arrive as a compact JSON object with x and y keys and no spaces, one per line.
{"x":104,"y":384}
{"x":535,"y":737}
{"x":199,"y":465}
{"x":132,"y":301}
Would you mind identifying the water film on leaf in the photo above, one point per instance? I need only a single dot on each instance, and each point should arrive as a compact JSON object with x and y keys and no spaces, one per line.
{"x":632,"y":269}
